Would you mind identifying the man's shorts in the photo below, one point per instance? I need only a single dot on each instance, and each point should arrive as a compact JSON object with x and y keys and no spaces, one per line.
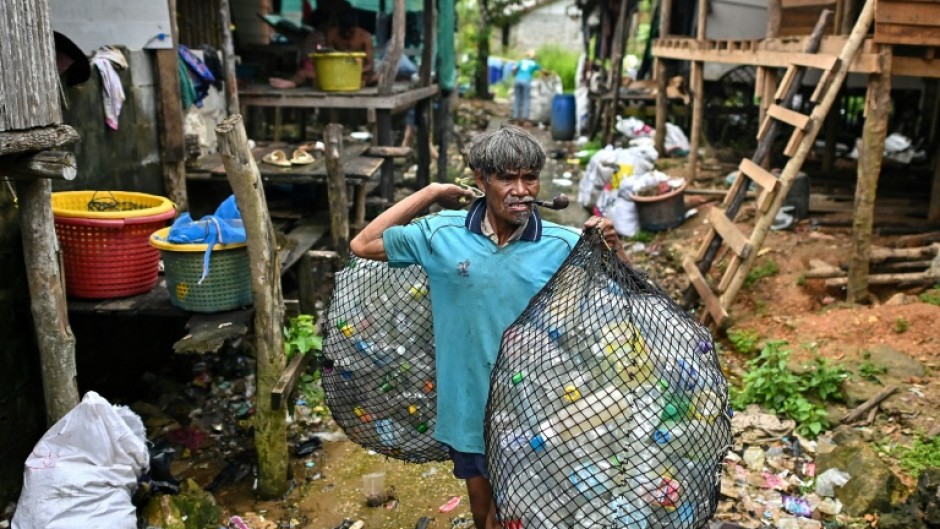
{"x":467,"y":465}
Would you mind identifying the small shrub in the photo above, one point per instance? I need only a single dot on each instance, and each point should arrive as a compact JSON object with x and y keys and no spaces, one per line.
{"x":562,"y":61}
{"x":870,"y":371}
{"x":744,"y":341}
{"x":300,"y":337}
{"x":923,"y":454}
{"x":771,"y":384}
{"x":765,"y":269}
{"x":801,"y":280}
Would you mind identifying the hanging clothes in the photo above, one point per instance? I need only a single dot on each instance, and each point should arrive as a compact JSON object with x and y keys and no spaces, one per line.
{"x":106,"y":59}
{"x":187,"y":91}
{"x":199,"y":73}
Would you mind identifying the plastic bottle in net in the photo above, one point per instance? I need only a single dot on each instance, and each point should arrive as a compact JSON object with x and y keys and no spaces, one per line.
{"x":379,"y":376}
{"x":607,"y":405}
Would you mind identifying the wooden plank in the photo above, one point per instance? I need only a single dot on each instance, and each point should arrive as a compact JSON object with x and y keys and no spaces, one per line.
{"x":789,"y":4}
{"x":302,"y":238}
{"x":907,"y":35}
{"x":759,"y":175}
{"x":208,"y":333}
{"x":170,"y":118}
{"x":915,"y":67}
{"x":308,"y":98}
{"x":785,"y":83}
{"x":714,"y":308}
{"x":772,"y":54}
{"x":729,"y":232}
{"x":285,"y":384}
{"x":907,"y":13}
{"x":29,"y":81}
{"x":13,"y":142}
{"x":388,"y":151}
{"x":58,"y":165}
{"x":814,"y":60}
{"x":793,"y":144}
{"x":336,"y":187}
{"x":791,"y":117}
{"x":730,"y":271}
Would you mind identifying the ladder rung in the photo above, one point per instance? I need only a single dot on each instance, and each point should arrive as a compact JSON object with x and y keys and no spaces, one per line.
{"x":758,"y":174}
{"x":709,"y":300}
{"x":787,"y":4}
{"x":814,"y":60}
{"x":791,"y":117}
{"x":785,"y":83}
{"x":730,"y":233}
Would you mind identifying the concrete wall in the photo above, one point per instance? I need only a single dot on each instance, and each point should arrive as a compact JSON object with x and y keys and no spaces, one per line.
{"x":127,"y":159}
{"x":546,"y":25}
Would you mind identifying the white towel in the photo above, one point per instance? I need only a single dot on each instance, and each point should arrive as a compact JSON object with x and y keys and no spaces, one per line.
{"x":112,"y":93}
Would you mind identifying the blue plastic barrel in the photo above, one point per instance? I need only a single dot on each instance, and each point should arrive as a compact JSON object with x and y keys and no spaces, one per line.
{"x":495,"y":66}
{"x":563,"y":117}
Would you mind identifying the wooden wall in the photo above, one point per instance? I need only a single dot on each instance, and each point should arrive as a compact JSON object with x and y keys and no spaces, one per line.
{"x":911,"y":22}
{"x":199,"y":22}
{"x":29,"y":93}
{"x":798,"y":17}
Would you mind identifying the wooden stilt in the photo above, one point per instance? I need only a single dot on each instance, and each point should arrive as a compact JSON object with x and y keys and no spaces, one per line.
{"x":270,"y":424}
{"x":228,"y":55}
{"x":878,"y":109}
{"x":49,"y":309}
{"x":171,"y":120}
{"x":336,"y":187}
{"x":697,"y":87}
{"x":659,"y":74}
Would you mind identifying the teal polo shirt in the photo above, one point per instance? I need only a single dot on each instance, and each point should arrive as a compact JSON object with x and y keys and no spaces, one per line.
{"x":477,"y":290}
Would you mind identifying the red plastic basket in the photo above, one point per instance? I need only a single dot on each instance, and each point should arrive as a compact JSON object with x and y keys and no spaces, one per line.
{"x":111,"y":257}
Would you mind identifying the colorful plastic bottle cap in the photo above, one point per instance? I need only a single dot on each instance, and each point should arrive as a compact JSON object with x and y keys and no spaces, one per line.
{"x":418,"y":292}
{"x":661,"y":436}
{"x":422,"y":428}
{"x":571,"y":393}
{"x":555,"y":333}
{"x":347,"y":330}
{"x":386,"y":387}
{"x":517,"y":378}
{"x":537,"y":443}
{"x":412,"y":409}
{"x":428,"y":386}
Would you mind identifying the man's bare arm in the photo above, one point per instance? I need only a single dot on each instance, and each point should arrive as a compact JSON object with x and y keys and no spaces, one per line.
{"x":369,"y":244}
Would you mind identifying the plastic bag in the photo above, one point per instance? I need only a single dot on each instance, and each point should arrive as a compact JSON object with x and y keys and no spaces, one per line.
{"x":607,"y":407}
{"x":542,"y":91}
{"x":379,"y":375}
{"x":83,"y":471}
{"x":829,"y":480}
{"x":225,"y":226}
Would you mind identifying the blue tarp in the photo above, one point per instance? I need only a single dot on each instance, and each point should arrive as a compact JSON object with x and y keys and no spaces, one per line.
{"x":225,"y":226}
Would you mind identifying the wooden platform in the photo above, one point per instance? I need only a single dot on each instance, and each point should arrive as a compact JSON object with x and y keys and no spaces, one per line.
{"x":403,"y":96}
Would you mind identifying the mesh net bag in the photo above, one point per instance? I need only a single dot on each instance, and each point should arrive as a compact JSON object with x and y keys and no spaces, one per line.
{"x":607,"y":405}
{"x":378,"y":360}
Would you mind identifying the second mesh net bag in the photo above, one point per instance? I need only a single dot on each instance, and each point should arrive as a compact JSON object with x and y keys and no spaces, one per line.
{"x":378,"y":360}
{"x":607,"y":405}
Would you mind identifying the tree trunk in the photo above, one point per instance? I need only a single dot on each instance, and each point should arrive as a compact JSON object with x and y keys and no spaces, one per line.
{"x":270,"y":425}
{"x":482,"y":73}
{"x":50,"y":311}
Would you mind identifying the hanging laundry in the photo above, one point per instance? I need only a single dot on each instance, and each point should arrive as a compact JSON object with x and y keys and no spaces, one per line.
{"x":187,"y":90}
{"x":106,"y":59}
{"x":199,"y":73}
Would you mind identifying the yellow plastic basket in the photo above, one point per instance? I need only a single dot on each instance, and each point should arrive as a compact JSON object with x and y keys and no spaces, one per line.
{"x":339,"y":71}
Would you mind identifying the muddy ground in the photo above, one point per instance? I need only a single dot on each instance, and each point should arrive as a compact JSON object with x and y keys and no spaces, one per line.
{"x":782,"y":306}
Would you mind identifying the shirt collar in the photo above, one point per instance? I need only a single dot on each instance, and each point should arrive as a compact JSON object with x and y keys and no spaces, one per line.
{"x":474,"y":222}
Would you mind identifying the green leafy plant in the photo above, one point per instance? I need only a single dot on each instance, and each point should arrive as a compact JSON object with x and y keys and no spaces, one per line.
{"x":765,"y":269}
{"x":870,"y":371}
{"x":900,"y":325}
{"x":561,"y":60}
{"x":801,"y":280}
{"x":300,"y":336}
{"x":643,"y":236}
{"x":771,"y":384}
{"x":931,"y":296}
{"x":923,"y":454}
{"x":744,"y":341}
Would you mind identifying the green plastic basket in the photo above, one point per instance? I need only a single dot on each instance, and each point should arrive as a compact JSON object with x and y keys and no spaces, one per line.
{"x":227,"y":287}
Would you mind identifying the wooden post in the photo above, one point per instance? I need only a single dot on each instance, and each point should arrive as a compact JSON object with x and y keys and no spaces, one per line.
{"x":228,"y":58}
{"x":49,"y":308}
{"x":60,"y":165}
{"x":848,"y":16}
{"x":698,"y":86}
{"x":616,"y":67}
{"x":422,"y":109}
{"x":171,"y":119}
{"x":442,"y":128}
{"x":933,"y":212}
{"x":871,"y":154}
{"x":767,"y":77}
{"x":336,"y":188}
{"x":270,"y":425}
{"x":394,"y":49}
{"x":659,"y":73}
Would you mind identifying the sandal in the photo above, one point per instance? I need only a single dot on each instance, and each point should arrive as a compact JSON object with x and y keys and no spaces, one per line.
{"x":302,"y":157}
{"x":276,"y":157}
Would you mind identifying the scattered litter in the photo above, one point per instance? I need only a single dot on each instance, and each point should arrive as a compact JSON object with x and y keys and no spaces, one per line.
{"x":797,"y":506}
{"x":450,"y":505}
{"x":562,"y":182}
{"x":828,"y":480}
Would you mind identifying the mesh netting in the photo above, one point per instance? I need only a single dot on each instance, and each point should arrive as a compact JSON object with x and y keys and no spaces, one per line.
{"x":607,"y":405}
{"x":378,"y":372}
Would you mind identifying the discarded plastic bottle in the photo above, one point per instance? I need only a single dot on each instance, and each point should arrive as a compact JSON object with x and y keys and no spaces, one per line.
{"x":691,"y":439}
{"x":581,"y":416}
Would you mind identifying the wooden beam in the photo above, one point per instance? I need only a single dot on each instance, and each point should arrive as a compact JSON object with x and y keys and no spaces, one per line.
{"x":791,"y":117}
{"x":712,"y":305}
{"x":878,"y":110}
{"x":729,"y":232}
{"x":790,"y":4}
{"x":336,"y":188}
{"x":933,"y":213}
{"x":697,"y":87}
{"x":285,"y":385}
{"x":170,"y":118}
{"x":54,"y":336}
{"x":228,"y":58}
{"x":388,"y":151}
{"x":57,"y":165}
{"x":52,"y":137}
{"x":659,"y":75}
{"x":270,"y":425}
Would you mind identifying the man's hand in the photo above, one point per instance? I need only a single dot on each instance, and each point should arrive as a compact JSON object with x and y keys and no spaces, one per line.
{"x":606,"y":227}
{"x":450,"y":196}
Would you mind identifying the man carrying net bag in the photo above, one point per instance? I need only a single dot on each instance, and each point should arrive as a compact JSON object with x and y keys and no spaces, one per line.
{"x":483,"y":267}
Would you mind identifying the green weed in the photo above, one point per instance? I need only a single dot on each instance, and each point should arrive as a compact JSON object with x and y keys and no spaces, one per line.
{"x":300,"y":337}
{"x":923,"y":454}
{"x":643,"y":236}
{"x":744,"y":341}
{"x":765,"y":269}
{"x":932,"y":296}
{"x":770,"y":383}
{"x":900,"y":325}
{"x":870,"y":371}
{"x":560,"y":60}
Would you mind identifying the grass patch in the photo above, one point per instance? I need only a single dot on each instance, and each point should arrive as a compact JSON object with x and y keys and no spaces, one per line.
{"x":900,"y":325}
{"x":770,"y":383}
{"x":744,"y":341}
{"x":643,"y":236}
{"x":766,"y":269}
{"x":932,"y":296}
{"x":923,"y":454}
{"x":561,"y":60}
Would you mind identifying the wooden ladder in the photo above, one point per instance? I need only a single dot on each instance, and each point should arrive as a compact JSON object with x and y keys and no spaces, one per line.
{"x":723,"y":232}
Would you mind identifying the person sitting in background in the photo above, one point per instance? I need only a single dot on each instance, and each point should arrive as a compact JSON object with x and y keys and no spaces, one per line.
{"x":320,"y":20}
{"x":348,"y":36}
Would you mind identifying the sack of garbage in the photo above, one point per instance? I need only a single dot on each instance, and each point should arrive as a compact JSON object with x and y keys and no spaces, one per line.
{"x":607,"y":406}
{"x":84,"y":469}
{"x":378,"y":374}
